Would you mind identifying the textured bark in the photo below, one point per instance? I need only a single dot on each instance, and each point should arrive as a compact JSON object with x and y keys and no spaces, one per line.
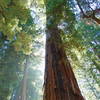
{"x":60,"y":82}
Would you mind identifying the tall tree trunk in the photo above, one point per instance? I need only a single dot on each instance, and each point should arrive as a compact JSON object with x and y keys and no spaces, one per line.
{"x":20,"y":92}
{"x":24,"y":81}
{"x":60,"y":82}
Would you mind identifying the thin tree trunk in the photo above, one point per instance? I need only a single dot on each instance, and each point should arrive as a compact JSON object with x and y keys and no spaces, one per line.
{"x":21,"y":91}
{"x":60,"y":82}
{"x":24,"y":81}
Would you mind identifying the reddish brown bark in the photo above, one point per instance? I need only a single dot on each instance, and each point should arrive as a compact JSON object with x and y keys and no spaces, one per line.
{"x":60,"y":82}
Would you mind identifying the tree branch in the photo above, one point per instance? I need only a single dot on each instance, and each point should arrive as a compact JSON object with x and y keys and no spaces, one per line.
{"x":92,"y":15}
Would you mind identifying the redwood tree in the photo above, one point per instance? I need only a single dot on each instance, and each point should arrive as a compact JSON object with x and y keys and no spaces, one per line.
{"x":60,"y":82}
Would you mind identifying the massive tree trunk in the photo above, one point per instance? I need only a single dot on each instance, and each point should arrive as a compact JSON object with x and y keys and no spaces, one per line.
{"x":60,"y":82}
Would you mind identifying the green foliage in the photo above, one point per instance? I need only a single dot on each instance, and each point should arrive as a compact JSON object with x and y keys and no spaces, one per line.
{"x":15,"y":19}
{"x":82,"y":48}
{"x":23,"y":43}
{"x":53,"y":5}
{"x":17,"y":30}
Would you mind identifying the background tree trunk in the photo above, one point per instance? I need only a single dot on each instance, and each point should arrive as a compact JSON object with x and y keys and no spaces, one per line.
{"x":24,"y":81}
